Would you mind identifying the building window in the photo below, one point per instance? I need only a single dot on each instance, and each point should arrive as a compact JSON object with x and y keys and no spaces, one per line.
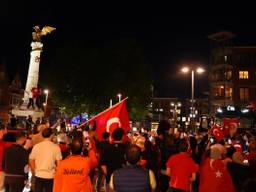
{"x":229,"y":93}
{"x":243,"y":75}
{"x":228,"y":75}
{"x":244,"y":94}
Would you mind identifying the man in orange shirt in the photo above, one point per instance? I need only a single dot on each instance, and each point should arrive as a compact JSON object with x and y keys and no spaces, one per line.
{"x":73,"y":172}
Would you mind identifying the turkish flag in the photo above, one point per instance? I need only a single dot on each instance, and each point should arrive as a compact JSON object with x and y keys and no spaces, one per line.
{"x":214,"y":177}
{"x":227,"y":122}
{"x":112,"y":118}
{"x":217,"y":132}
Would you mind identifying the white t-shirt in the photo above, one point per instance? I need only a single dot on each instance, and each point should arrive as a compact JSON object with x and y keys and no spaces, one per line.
{"x":45,"y":154}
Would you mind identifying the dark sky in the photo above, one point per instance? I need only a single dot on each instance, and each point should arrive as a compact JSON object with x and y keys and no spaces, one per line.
{"x":170,"y":34}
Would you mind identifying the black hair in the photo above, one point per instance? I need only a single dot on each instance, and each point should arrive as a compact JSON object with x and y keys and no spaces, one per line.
{"x":118,"y":134}
{"x":94,"y":126}
{"x":230,"y":151}
{"x":133,"y":154}
{"x":182,"y":145}
{"x":20,"y":134}
{"x":47,"y":133}
{"x":105,"y":135}
{"x":76,"y":147}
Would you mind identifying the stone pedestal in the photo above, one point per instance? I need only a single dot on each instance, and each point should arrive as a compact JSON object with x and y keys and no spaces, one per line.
{"x":25,"y":113}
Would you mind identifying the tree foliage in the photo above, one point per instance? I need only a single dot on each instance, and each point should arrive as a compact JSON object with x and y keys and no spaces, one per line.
{"x":85,"y":77}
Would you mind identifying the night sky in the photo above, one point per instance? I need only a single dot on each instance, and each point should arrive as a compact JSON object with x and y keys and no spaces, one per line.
{"x":169,"y":34}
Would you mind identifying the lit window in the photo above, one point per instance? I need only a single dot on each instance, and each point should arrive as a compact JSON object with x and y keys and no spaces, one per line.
{"x":244,"y":94}
{"x":243,"y":75}
{"x":229,"y":92}
{"x":228,"y":75}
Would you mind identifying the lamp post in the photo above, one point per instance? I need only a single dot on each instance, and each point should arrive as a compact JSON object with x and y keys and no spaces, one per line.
{"x":198,"y":70}
{"x":46,"y":91}
{"x":119,"y":95}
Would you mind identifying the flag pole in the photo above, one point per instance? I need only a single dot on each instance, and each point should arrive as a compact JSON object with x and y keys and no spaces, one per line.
{"x":101,"y":113}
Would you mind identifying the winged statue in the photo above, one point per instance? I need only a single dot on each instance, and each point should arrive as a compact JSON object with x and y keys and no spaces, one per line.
{"x":38,"y":33}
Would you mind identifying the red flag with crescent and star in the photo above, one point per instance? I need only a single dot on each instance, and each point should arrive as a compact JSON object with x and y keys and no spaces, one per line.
{"x":112,"y":118}
{"x":217,"y":132}
{"x":214,"y":176}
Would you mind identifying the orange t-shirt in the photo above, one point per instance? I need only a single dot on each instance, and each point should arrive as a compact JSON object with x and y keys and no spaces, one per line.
{"x":73,"y":174}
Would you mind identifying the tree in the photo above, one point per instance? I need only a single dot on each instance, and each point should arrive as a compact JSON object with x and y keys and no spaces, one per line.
{"x":85,"y":77}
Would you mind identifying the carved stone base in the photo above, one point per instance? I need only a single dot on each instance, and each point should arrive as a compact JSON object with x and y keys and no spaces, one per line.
{"x":26,"y":112}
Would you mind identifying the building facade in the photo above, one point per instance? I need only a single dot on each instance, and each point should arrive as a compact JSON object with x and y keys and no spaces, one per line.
{"x":11,"y":94}
{"x":178,"y":112}
{"x":232,"y":72}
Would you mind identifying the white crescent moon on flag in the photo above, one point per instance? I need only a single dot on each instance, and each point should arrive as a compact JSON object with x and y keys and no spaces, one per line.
{"x":111,"y":121}
{"x":215,"y":131}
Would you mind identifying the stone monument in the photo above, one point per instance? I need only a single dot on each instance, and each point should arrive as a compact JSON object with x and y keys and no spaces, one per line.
{"x":33,"y":73}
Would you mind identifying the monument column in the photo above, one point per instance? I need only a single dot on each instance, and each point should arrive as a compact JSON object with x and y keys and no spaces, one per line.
{"x":33,"y":71}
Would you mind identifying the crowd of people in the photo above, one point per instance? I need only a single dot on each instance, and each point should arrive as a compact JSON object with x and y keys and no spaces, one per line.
{"x":44,"y":159}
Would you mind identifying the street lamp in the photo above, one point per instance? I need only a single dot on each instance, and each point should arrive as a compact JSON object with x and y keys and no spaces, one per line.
{"x":198,"y":70}
{"x":46,"y":91}
{"x":119,"y":95}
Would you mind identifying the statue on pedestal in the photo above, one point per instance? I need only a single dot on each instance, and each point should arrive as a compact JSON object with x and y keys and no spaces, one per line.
{"x":38,"y":33}
{"x":33,"y":71}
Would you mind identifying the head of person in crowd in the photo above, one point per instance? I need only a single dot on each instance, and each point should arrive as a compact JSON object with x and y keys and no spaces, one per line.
{"x":133,"y":154}
{"x":230,"y":151}
{"x":47,"y":133}
{"x":86,"y":127}
{"x":177,"y":135}
{"x":35,"y":130}
{"x":140,"y":142}
{"x":220,"y":147}
{"x":105,"y":136}
{"x":183,"y":145}
{"x":3,"y":131}
{"x":215,"y":153}
{"x":117,"y":134}
{"x":232,"y":129}
{"x":20,"y":137}
{"x":252,"y":147}
{"x":63,"y":129}
{"x":76,"y":147}
{"x":163,"y":128}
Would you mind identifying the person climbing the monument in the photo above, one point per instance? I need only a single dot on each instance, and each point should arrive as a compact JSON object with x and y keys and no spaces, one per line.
{"x":38,"y":98}
{"x":31,"y":99}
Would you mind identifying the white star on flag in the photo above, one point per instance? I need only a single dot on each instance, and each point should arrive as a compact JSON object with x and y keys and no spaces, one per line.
{"x":218,"y":174}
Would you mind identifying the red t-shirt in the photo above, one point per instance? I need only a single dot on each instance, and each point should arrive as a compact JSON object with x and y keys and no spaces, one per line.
{"x":182,"y":166}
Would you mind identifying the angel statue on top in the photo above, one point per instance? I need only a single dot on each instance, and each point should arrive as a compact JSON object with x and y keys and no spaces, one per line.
{"x":38,"y":33}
